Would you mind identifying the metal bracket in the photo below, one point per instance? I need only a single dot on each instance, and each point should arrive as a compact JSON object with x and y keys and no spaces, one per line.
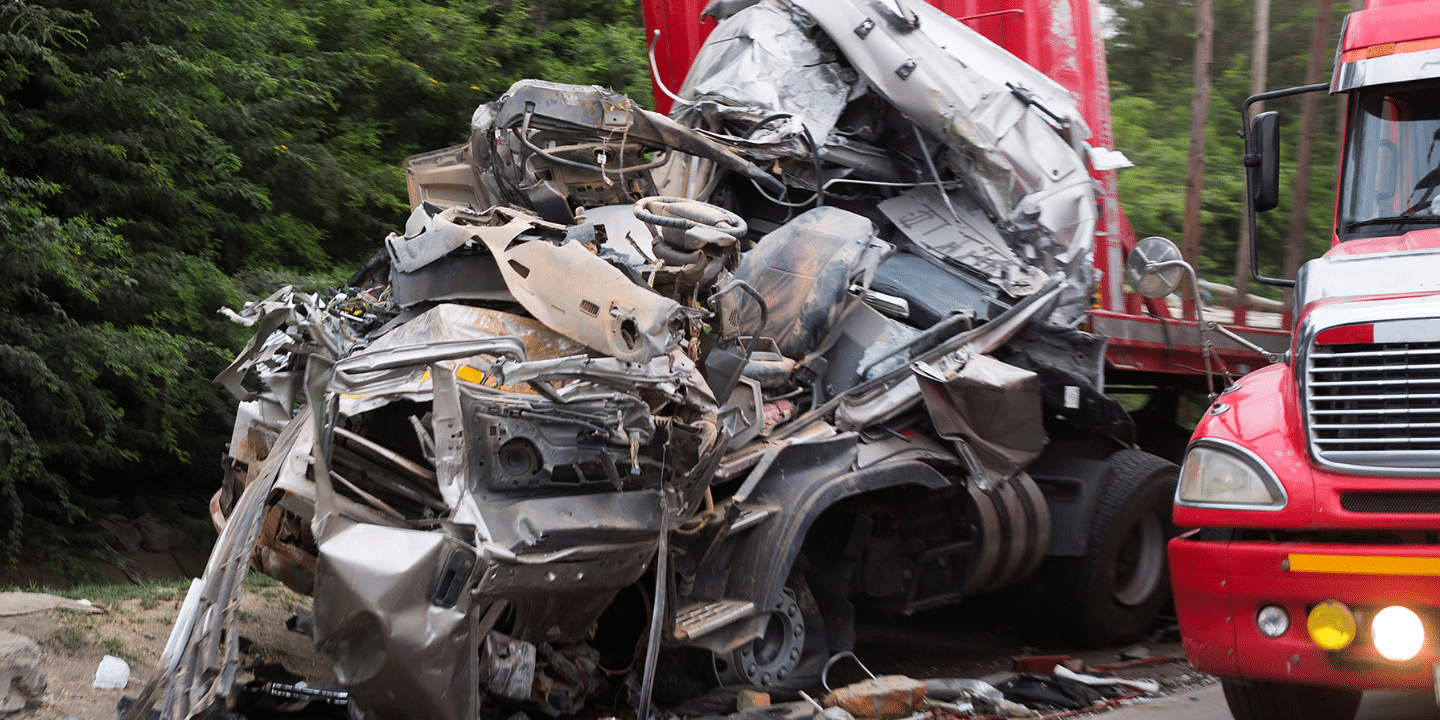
{"x":1217,"y":327}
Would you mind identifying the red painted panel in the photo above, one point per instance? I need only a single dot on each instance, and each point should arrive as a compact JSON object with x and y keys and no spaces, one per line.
{"x":1428,"y":239}
{"x":681,"y":35}
{"x":1347,"y":335}
{"x":1199,"y":577}
{"x":1219,"y":588}
{"x":1387,"y":21}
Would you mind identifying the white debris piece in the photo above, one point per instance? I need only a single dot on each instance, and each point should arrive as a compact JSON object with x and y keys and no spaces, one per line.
{"x":112,"y":674}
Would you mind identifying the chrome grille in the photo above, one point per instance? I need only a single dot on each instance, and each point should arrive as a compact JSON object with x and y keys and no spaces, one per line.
{"x":1375,"y":405}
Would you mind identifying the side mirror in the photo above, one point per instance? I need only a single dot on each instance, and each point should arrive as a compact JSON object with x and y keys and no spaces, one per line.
{"x":1262,"y":160}
{"x":1154,"y":267}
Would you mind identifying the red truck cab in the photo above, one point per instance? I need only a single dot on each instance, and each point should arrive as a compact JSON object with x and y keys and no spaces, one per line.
{"x":1313,"y":485}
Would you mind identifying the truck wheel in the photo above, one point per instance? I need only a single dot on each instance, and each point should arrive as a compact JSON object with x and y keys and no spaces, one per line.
{"x":1113,"y":594}
{"x":791,"y":652}
{"x":1260,"y":700}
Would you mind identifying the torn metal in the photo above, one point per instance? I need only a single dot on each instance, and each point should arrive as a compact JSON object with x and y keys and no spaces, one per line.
{"x":618,"y":367}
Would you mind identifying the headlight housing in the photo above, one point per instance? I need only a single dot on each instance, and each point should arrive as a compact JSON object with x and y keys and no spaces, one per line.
{"x":1220,"y":474}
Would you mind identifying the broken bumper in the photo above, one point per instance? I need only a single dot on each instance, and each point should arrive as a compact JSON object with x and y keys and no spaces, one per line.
{"x":1221,"y":586}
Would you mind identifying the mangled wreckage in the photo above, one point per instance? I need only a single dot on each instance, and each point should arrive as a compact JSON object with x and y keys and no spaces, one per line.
{"x":637,"y":387}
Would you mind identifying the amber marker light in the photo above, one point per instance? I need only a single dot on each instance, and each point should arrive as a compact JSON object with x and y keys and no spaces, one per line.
{"x":1398,"y":633}
{"x":1331,"y":625}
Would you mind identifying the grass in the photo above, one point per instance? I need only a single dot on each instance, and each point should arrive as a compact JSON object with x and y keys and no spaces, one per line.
{"x":259,"y":580}
{"x":117,"y":647}
{"x":149,"y":594}
{"x":69,"y":638}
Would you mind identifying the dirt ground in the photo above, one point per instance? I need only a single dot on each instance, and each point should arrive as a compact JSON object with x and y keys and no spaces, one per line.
{"x":134,"y":627}
{"x":137,"y":621}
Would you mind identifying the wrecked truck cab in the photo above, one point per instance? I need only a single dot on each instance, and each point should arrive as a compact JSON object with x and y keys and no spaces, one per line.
{"x":760,"y":362}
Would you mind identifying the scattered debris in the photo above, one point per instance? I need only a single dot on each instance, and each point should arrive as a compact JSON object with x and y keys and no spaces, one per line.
{"x":113,"y":673}
{"x":885,"y":697}
{"x":1046,"y":663}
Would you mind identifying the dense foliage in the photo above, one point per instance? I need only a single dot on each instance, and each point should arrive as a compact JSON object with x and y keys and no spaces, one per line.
{"x":1150,"y":61}
{"x":155,"y":154}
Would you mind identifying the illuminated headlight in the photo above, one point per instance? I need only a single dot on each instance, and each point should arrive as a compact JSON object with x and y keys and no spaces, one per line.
{"x":1272,"y":620}
{"x":1219,"y":475}
{"x":1398,"y":633}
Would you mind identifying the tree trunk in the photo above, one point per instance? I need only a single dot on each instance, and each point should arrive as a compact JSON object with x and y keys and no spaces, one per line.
{"x":1309,"y":114}
{"x":1199,"y":114}
{"x":1259,"y":63}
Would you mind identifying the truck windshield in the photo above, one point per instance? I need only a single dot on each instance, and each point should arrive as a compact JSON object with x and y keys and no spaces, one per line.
{"x":1391,"y":183}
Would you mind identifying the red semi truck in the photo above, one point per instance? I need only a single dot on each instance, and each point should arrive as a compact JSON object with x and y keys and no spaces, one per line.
{"x":1313,"y":573}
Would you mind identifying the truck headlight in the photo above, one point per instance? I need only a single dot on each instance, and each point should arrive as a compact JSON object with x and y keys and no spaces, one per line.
{"x":1398,"y":633}
{"x":1217,"y":474}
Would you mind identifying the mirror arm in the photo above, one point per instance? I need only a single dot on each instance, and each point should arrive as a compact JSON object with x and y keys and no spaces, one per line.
{"x":1206,"y":349}
{"x":1253,"y":160}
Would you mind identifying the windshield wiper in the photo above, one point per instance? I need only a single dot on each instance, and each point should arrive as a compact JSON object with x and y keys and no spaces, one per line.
{"x":1395,"y":220}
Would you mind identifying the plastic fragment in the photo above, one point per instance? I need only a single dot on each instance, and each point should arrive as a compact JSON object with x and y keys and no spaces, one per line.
{"x":112,"y":673}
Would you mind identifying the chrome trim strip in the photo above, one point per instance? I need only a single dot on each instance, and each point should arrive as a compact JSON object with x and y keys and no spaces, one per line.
{"x":1246,"y":454}
{"x":1401,"y":67}
{"x":1385,"y":381}
{"x":1382,"y":368}
{"x":1397,"y":458}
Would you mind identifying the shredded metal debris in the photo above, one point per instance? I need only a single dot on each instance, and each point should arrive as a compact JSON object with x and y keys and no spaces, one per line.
{"x":630,"y":387}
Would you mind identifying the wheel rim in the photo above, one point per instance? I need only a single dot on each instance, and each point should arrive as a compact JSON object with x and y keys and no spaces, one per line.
{"x":1140,"y":562}
{"x":771,"y":657}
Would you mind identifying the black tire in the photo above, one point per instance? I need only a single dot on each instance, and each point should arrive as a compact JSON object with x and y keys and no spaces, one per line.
{"x":1113,"y":594}
{"x":1261,"y":700}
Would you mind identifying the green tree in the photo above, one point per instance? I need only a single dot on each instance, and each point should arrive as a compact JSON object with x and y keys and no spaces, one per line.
{"x":152,"y":151}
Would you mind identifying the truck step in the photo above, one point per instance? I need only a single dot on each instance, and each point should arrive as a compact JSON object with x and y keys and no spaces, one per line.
{"x":698,"y":620}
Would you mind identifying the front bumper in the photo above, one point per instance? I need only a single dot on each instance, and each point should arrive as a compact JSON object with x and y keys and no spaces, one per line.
{"x":1220,"y":586}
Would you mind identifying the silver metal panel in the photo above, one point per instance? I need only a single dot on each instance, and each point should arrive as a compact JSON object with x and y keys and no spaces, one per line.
{"x":1359,"y":275}
{"x":1403,"y":67}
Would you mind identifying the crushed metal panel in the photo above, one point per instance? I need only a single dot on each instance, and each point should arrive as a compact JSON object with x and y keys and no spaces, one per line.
{"x":395,"y":621}
{"x":435,"y":237}
{"x":576,"y":293}
{"x":441,"y":257}
{"x":446,"y":177}
{"x":970,"y":240}
{"x":450,"y":321}
{"x":903,"y":392}
{"x":993,"y":406}
{"x":953,"y":84}
{"x":762,"y":63}
{"x":560,"y":601}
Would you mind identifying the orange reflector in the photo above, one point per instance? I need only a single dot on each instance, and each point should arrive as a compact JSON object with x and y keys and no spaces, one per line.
{"x":1375,"y":51}
{"x":1364,"y":564}
{"x":470,"y":374}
